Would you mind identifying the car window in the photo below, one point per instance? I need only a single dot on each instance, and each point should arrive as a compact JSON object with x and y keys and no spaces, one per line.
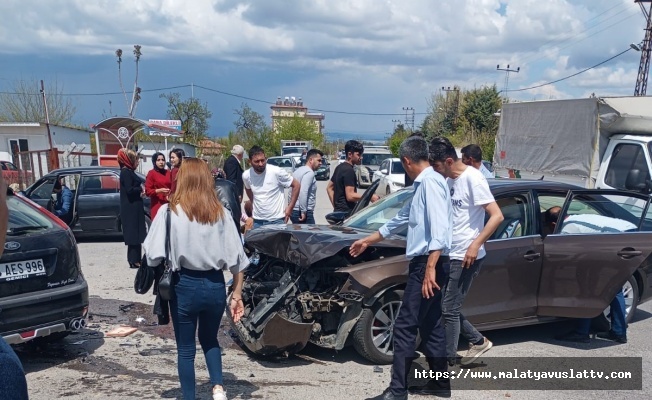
{"x":44,"y":190}
{"x":516,"y":222}
{"x":600,"y":213}
{"x":548,"y":201}
{"x":397,"y":168}
{"x":280,"y":162}
{"x":377,"y":214}
{"x":22,"y":215}
{"x":99,"y":184}
{"x":625,"y":159}
{"x":375,"y":159}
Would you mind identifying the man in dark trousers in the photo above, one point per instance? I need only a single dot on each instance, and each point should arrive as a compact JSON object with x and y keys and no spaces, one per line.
{"x":233,"y":169}
{"x":342,"y":189}
{"x":428,"y":216}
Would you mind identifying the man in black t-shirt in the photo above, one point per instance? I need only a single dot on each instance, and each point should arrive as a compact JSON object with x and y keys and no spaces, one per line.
{"x":343,"y":186}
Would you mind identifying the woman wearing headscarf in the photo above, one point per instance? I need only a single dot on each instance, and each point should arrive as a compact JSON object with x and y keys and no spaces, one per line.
{"x":176,"y":157}
{"x":157,"y":184}
{"x":198,"y":221}
{"x":132,"y":212}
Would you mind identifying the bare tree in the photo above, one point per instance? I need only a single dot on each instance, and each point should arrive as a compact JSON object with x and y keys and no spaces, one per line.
{"x":23,"y":103}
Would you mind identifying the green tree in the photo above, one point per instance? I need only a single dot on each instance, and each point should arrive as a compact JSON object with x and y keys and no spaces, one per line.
{"x":298,"y":128}
{"x":399,"y":135}
{"x":251,"y":129}
{"x":478,"y":110}
{"x":193,"y":115}
{"x":23,"y":102}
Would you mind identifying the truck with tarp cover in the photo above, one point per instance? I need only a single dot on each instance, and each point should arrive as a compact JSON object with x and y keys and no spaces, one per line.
{"x":597,"y":142}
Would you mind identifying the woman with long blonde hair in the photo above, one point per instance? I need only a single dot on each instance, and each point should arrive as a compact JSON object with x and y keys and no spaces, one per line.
{"x":203,"y":242}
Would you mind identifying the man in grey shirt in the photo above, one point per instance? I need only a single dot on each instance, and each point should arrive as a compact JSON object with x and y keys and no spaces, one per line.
{"x":303,"y":212}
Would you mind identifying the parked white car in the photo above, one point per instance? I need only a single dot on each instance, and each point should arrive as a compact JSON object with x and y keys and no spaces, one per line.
{"x":288,"y":163}
{"x":391,"y":175}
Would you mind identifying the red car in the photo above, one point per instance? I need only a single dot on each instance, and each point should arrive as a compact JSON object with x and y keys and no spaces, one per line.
{"x":12,"y":174}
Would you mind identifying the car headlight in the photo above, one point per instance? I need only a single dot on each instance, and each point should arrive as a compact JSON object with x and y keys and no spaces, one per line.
{"x":398,"y":184}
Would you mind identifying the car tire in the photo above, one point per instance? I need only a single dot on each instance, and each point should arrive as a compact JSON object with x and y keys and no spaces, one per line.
{"x":602,"y":322}
{"x":370,"y":326}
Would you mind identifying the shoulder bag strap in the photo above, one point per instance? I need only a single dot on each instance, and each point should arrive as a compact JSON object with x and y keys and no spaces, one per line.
{"x":167,"y":237}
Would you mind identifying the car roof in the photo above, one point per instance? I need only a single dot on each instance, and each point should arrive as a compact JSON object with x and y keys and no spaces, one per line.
{"x":507,"y":183}
{"x":87,"y":169}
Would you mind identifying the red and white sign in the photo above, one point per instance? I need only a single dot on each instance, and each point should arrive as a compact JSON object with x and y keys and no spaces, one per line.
{"x":170,"y":123}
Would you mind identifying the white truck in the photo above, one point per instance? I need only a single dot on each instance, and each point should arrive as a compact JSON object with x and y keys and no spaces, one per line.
{"x":594,"y":142}
{"x":295,"y":146}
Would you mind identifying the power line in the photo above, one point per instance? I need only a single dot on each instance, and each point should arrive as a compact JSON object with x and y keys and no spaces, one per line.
{"x":570,"y":76}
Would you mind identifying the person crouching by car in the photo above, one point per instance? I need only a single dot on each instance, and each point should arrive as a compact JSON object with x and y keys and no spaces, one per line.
{"x":198,"y":223}
{"x":63,"y":205}
{"x":157,"y":184}
{"x":132,"y":213}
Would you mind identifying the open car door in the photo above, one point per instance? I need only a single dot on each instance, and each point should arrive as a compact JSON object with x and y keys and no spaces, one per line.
{"x":601,"y":237}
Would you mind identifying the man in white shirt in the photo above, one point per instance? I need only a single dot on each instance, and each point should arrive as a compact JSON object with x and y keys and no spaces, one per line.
{"x":471,"y":197}
{"x":472,"y":156}
{"x":265,"y":186}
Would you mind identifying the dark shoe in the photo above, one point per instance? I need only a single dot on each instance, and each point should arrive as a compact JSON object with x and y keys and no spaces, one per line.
{"x":454,"y":361}
{"x":574,"y":337}
{"x":134,"y":265}
{"x":612,"y":336}
{"x":439,"y":388}
{"x":387,"y":395}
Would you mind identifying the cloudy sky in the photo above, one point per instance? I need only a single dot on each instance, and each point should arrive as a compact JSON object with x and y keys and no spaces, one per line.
{"x":350,"y":59}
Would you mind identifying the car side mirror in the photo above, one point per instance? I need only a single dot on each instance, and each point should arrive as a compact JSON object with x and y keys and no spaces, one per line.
{"x":336,"y":217}
{"x":383,"y":171}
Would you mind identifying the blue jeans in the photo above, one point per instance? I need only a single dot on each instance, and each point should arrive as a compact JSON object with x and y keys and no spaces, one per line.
{"x":618,"y":321}
{"x":296,"y":214}
{"x":200,"y":300}
{"x":261,"y":222}
{"x":418,"y":314}
{"x":459,"y":283}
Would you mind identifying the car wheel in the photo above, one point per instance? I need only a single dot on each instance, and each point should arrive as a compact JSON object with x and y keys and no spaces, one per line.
{"x":373,"y":334}
{"x":630,"y":291}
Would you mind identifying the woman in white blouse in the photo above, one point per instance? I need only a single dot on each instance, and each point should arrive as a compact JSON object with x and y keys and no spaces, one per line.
{"x":203,"y":242}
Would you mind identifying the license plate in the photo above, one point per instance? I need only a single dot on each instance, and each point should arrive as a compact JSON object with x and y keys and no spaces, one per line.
{"x":21,"y":270}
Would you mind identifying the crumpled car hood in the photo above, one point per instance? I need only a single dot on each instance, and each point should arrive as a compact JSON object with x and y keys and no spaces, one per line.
{"x":304,"y":245}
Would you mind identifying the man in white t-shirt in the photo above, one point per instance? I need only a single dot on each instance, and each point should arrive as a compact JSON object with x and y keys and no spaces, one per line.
{"x":471,"y":198}
{"x":472,"y":156}
{"x":265,"y":186}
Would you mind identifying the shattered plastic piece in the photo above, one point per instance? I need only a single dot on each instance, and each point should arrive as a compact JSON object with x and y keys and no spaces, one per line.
{"x":140,"y":319}
{"x":377,"y":369}
{"x":126,"y":307}
{"x":121,"y":331}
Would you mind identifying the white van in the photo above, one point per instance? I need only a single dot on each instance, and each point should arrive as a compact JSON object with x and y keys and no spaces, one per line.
{"x":372,"y":157}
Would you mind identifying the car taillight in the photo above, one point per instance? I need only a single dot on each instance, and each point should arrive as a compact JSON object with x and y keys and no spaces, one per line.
{"x":45,"y":211}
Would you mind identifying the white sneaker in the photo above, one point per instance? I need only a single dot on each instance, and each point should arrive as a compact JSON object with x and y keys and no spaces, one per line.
{"x":219,"y":393}
{"x":476,"y":351}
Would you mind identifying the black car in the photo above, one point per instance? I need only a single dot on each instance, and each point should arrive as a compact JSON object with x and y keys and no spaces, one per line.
{"x":96,"y":194}
{"x":42,"y":289}
{"x":324,"y":171}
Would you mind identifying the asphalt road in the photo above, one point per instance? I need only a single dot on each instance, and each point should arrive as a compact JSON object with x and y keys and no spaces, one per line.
{"x":90,"y":365}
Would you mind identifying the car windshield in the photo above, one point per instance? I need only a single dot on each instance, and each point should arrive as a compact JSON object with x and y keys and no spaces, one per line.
{"x":375,"y":159}
{"x":377,"y":214}
{"x":22,"y":216}
{"x":397,"y":168}
{"x":280,"y":162}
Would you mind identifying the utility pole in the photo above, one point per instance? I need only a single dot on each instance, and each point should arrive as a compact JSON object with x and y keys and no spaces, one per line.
{"x":644,"y":65}
{"x":409,"y":120}
{"x":395,"y":121}
{"x":53,"y":154}
{"x":507,"y":71}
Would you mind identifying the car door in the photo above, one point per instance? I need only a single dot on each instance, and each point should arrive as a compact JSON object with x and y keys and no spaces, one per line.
{"x":41,"y":192}
{"x":506,"y":287}
{"x":99,"y":202}
{"x":595,"y":247}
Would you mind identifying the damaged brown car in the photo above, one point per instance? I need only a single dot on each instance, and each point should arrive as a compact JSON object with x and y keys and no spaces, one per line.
{"x":302,"y":285}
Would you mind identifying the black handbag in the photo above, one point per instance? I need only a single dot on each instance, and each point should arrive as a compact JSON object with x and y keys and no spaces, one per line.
{"x":145,"y":277}
{"x":165,"y":284}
